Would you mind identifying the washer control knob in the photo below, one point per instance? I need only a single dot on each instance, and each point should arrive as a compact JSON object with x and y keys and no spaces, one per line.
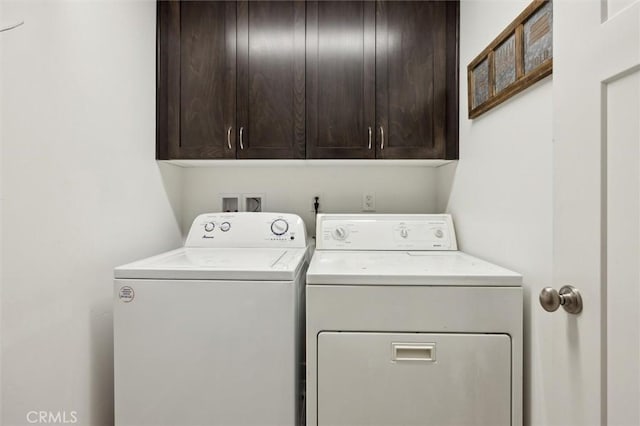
{"x":404,"y":233}
{"x":279,"y":226}
{"x":438,"y":233}
{"x":225,"y":226}
{"x":340,"y":233}
{"x":209,"y":226}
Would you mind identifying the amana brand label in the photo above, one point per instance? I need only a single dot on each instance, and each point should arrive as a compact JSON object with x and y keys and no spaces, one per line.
{"x":126,"y":294}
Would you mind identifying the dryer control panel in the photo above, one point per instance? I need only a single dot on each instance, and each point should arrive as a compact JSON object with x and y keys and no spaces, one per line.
{"x":385,"y":232}
{"x":247,"y":230}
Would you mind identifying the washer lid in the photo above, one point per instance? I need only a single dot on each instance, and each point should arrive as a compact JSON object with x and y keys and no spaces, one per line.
{"x":450,"y":268}
{"x":247,"y":264}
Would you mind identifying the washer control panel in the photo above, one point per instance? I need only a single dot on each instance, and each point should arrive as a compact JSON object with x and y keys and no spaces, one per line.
{"x":247,"y":229}
{"x":385,"y":232}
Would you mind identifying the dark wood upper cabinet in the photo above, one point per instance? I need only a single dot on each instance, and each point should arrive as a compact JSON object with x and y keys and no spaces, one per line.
{"x":271,"y":87}
{"x":315,"y":79}
{"x":340,"y":79}
{"x":196,"y":81}
{"x":417,"y":79}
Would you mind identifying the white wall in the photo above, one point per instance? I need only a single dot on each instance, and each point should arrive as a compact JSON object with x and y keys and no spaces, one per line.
{"x":81,"y":193}
{"x":398,"y":189}
{"x":500,"y":192}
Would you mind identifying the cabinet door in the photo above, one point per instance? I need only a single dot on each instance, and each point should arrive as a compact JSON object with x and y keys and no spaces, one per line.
{"x":417,"y":79}
{"x":340,"y":79}
{"x":196,"y":79}
{"x":271,"y":79}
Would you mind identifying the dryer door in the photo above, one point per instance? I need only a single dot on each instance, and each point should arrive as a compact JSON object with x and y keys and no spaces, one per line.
{"x":414,"y":379}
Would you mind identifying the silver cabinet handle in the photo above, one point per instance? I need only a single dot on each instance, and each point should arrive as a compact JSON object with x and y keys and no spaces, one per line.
{"x":568,"y":297}
{"x":381,"y":137}
{"x":370,"y":137}
{"x":241,"y":143}
{"x":229,"y":137}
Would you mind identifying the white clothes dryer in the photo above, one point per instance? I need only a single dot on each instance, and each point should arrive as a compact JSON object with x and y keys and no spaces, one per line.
{"x":404,"y":329}
{"x":212,"y":333}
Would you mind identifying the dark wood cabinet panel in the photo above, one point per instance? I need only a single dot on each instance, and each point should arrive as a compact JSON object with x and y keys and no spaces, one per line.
{"x":315,"y":79}
{"x":416,"y":79}
{"x":196,"y":79}
{"x":340,"y":79}
{"x":271,"y":88}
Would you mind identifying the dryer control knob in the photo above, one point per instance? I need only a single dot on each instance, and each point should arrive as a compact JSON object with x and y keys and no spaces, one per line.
{"x":209,"y":226}
{"x":404,"y":233}
{"x":340,"y":233}
{"x":438,"y":233}
{"x":225,"y":226}
{"x":279,"y":226}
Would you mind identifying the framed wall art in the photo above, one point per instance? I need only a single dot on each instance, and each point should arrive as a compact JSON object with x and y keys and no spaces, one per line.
{"x":520,"y":56}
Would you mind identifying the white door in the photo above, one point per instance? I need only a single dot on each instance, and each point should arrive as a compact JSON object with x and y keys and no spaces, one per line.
{"x":595,"y":358}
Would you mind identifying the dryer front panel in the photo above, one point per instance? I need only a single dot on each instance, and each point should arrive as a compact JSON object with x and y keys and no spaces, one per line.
{"x":367,"y":378}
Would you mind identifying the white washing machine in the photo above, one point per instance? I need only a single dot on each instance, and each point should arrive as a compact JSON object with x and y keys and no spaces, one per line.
{"x":212,"y":333}
{"x":403,"y":329}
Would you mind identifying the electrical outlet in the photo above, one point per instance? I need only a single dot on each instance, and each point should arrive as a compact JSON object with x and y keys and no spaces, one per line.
{"x":369,"y":202}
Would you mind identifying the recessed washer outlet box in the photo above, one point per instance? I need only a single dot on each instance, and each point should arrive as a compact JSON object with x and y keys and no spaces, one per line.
{"x":253,"y":202}
{"x":229,"y":202}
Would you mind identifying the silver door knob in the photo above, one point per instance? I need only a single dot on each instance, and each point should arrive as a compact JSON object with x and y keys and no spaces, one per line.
{"x":568,"y":297}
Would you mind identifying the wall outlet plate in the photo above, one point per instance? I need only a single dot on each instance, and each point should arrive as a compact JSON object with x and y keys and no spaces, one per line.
{"x":369,"y":202}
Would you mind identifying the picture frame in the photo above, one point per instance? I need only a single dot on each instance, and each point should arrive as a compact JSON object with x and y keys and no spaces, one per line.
{"x":519,"y":56}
